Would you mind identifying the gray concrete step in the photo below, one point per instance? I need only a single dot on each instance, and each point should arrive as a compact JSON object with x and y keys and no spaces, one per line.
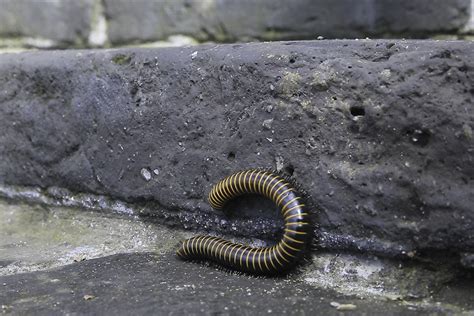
{"x":378,"y":133}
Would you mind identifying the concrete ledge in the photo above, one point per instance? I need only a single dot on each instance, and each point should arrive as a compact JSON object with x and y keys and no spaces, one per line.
{"x":379,"y":133}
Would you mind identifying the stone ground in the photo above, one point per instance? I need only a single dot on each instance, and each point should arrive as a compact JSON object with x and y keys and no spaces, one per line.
{"x":58,"y":260}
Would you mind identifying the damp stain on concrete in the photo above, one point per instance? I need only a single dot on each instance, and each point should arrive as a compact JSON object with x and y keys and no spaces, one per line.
{"x":38,"y":237}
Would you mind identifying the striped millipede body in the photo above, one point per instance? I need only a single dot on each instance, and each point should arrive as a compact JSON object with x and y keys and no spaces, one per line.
{"x":259,"y":260}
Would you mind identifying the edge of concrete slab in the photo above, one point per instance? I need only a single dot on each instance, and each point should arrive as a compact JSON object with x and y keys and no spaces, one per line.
{"x":378,"y":132}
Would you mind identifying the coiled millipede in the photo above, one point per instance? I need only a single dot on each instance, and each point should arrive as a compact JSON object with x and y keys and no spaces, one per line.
{"x":261,"y":260}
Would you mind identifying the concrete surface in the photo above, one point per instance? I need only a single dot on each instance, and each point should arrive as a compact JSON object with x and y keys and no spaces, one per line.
{"x":38,"y":237}
{"x":58,"y":260}
{"x":378,"y":133}
{"x":146,"y":283}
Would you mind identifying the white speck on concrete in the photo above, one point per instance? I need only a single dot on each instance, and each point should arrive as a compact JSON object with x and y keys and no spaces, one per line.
{"x":146,"y":174}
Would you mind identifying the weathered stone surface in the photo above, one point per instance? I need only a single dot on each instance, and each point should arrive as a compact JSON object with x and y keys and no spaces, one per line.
{"x":149,"y":284}
{"x":39,"y":238}
{"x":66,"y":21}
{"x":378,"y":133}
{"x":228,"y":20}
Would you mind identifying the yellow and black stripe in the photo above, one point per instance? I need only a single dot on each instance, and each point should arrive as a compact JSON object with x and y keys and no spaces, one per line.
{"x":263,"y":260}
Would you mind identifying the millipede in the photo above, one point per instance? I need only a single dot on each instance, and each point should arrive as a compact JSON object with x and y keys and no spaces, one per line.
{"x":258,"y":260}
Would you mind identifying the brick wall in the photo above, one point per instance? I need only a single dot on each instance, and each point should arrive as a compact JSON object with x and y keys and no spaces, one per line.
{"x":108,"y":23}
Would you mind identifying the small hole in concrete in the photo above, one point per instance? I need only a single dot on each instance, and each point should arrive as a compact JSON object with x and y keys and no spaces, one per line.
{"x":289,"y":170}
{"x":292,"y":60}
{"x":231,"y":156}
{"x":419,"y":136}
{"x":357,"y":111}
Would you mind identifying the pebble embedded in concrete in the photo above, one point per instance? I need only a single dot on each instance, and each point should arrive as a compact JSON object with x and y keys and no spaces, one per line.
{"x":146,"y":174}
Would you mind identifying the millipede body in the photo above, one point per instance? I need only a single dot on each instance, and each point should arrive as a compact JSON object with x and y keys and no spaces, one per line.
{"x":259,"y":260}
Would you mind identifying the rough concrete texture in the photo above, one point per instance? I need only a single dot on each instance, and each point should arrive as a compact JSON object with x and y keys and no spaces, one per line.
{"x":228,"y":20}
{"x":378,"y":133}
{"x":38,"y":237}
{"x":149,"y":284}
{"x":65,"y":21}
{"x":60,"y":260}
